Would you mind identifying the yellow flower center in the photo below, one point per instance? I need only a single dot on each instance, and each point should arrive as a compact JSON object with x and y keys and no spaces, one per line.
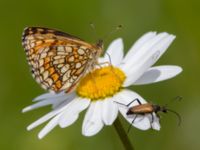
{"x":101,"y":83}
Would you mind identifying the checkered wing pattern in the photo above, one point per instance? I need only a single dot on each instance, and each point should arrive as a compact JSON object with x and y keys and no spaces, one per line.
{"x":57,"y":60}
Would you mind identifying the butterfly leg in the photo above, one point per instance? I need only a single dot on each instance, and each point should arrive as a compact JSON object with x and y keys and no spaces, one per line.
{"x":111,"y":68}
{"x":109,"y":63}
{"x":103,"y":63}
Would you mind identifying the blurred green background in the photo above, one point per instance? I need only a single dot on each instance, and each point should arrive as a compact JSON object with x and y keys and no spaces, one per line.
{"x":181,"y":18}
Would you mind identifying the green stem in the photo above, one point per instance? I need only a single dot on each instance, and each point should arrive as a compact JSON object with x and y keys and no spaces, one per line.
{"x":123,"y":135}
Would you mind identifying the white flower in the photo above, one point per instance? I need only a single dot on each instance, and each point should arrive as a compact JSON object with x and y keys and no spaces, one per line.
{"x":100,"y":99}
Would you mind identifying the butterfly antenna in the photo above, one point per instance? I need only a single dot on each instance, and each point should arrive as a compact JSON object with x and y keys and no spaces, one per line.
{"x":105,"y":37}
{"x":94,"y":30}
{"x":178,"y":116}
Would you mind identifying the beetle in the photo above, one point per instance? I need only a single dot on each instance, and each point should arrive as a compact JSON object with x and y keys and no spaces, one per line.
{"x":149,"y":108}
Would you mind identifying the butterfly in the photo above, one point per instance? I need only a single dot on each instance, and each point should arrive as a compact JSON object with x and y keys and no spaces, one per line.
{"x":59,"y":60}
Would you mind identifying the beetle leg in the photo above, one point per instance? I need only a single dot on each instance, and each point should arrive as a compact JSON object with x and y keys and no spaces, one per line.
{"x":138,"y":101}
{"x":158,"y":115}
{"x":129,"y":103}
{"x":131,"y":124}
{"x":133,"y":101}
{"x":152,"y":117}
{"x":120,"y":103}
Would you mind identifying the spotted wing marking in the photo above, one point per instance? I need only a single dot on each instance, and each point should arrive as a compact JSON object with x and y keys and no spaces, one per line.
{"x":57,"y":60}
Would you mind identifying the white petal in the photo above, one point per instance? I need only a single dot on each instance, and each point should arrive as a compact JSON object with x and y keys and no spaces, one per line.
{"x":138,"y":44}
{"x":55,"y":101}
{"x":102,"y":60}
{"x":155,"y":124}
{"x":37,"y":105}
{"x":93,"y":123}
{"x":48,"y":116}
{"x":141,"y":122}
{"x":48,"y":95}
{"x":149,"y":54}
{"x":44,"y":119}
{"x":70,"y":115}
{"x":144,"y":50}
{"x":115,"y":52}
{"x":51,"y":124}
{"x":127,"y":96}
{"x":109,"y":111}
{"x":158,"y":73}
{"x":65,"y":98}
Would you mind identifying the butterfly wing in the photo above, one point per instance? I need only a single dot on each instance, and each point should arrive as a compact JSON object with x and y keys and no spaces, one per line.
{"x":57,"y":60}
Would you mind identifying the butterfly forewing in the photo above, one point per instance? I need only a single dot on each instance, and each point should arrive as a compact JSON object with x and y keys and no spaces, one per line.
{"x":57,"y":60}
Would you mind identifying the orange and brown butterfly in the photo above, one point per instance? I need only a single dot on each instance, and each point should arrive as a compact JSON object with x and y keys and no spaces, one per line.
{"x":58,"y":60}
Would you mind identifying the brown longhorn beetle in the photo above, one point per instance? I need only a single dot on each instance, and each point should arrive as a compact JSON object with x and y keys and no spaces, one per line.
{"x":148,"y":108}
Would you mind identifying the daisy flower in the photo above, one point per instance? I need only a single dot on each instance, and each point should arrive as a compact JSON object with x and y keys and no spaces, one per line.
{"x":99,"y":90}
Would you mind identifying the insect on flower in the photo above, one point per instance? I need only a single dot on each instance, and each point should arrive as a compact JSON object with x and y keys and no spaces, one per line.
{"x":149,"y":108}
{"x":110,"y":85}
{"x":58,"y":60}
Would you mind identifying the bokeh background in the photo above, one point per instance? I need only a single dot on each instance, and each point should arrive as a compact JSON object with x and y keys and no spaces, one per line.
{"x":17,"y":87}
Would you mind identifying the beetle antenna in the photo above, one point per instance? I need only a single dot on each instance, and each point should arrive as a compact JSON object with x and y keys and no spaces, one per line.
{"x":177,"y":114}
{"x":177,"y":98}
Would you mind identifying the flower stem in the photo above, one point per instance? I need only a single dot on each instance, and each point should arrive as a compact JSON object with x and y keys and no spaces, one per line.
{"x":123,"y":135}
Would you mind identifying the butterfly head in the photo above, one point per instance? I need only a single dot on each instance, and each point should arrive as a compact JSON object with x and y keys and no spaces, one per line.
{"x":99,"y":44}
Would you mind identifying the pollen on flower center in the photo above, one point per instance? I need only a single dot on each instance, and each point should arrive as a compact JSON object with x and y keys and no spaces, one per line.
{"x":101,"y":83}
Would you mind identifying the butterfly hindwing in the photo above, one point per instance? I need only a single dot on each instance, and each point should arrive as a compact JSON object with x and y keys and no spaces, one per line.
{"x":57,"y":60}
